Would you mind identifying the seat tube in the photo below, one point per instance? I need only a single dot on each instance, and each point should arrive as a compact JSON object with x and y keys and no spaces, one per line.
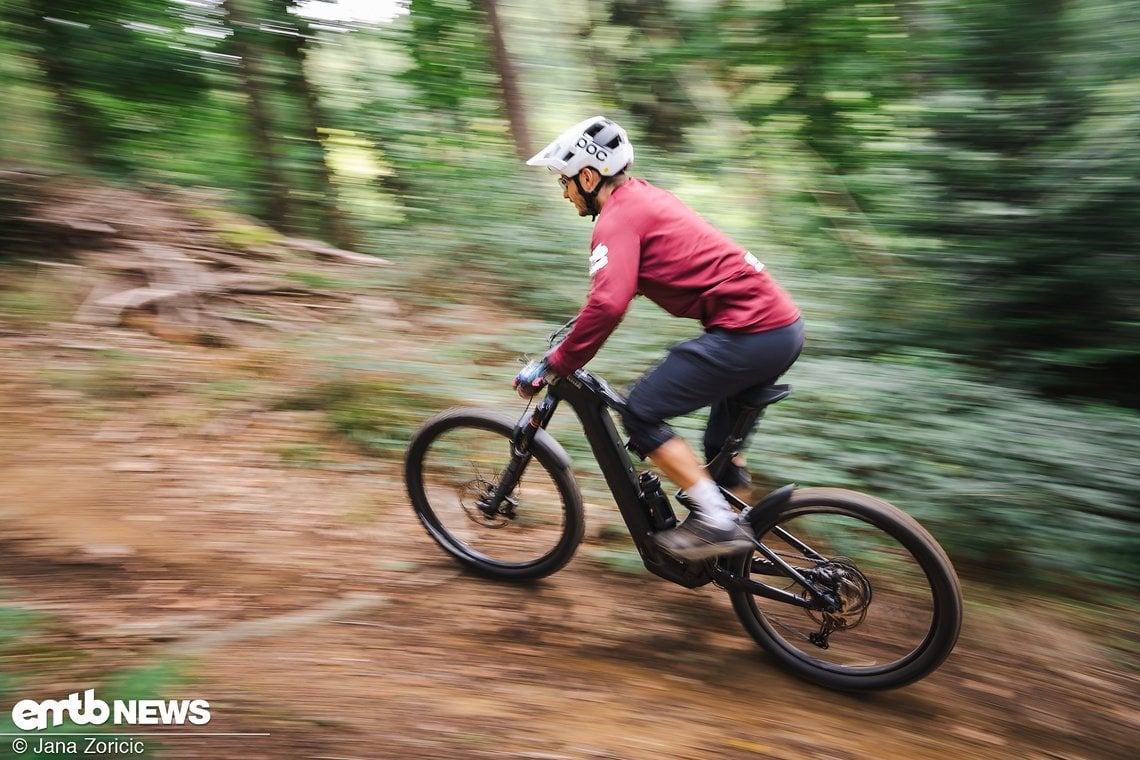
{"x":734,"y":443}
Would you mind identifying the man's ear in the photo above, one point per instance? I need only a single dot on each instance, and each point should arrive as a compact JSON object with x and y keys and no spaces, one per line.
{"x":590,"y":179}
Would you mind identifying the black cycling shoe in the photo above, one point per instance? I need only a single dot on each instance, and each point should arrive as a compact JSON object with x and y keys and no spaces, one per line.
{"x":699,"y":538}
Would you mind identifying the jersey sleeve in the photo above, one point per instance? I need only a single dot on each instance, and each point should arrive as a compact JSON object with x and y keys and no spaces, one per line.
{"x":614,"y":264}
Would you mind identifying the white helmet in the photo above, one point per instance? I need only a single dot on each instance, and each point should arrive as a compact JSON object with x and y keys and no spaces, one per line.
{"x":596,"y":142}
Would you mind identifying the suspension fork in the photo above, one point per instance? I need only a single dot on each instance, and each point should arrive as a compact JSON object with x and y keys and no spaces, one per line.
{"x":521,"y":455}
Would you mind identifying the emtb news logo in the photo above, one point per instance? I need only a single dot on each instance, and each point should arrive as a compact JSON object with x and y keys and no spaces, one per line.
{"x":30,"y":715}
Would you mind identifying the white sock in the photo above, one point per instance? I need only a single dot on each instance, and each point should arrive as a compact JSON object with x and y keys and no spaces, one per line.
{"x":711,"y":502}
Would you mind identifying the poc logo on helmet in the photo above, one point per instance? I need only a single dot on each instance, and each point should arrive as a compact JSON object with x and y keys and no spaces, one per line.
{"x":591,"y":147}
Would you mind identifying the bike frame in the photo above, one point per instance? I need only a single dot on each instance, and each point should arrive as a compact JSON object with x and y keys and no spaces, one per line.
{"x":593,"y":400}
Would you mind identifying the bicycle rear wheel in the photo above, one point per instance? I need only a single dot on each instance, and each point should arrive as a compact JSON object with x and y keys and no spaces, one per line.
{"x":900,"y":606}
{"x":454,"y":462}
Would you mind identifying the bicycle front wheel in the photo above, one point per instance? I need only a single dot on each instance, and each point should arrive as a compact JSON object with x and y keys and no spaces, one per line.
{"x":896,"y":602}
{"x":455,"y":462}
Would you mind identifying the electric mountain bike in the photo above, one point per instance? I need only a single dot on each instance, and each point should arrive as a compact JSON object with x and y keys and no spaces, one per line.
{"x":842,"y":589}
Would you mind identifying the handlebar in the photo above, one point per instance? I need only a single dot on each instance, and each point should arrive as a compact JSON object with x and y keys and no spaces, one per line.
{"x":592,"y":382}
{"x":556,"y":337}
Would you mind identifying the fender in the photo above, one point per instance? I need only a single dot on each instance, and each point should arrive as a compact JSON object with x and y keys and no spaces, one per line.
{"x":546,"y":439}
{"x":761,"y":509}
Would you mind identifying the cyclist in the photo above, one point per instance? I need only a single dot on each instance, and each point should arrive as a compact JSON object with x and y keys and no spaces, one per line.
{"x":648,"y":242}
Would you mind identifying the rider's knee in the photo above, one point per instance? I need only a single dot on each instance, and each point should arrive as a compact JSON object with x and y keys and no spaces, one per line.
{"x":645,"y":436}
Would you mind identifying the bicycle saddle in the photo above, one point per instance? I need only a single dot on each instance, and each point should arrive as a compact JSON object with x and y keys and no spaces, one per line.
{"x":765,"y":395}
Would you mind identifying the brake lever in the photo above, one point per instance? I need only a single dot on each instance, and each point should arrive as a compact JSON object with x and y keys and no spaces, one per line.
{"x":561,"y":331}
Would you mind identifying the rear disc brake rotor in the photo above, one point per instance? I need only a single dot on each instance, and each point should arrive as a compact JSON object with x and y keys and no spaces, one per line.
{"x":850,"y":587}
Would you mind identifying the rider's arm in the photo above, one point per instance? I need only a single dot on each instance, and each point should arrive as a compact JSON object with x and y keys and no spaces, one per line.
{"x":614,"y":263}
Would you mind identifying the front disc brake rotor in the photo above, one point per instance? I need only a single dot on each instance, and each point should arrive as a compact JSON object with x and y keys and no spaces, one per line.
{"x":473,"y":496}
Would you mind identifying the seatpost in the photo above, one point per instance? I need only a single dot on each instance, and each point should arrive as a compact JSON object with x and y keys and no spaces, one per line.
{"x":735,"y":440}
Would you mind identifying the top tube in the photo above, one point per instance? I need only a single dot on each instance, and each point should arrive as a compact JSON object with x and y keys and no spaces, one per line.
{"x":597,"y":387}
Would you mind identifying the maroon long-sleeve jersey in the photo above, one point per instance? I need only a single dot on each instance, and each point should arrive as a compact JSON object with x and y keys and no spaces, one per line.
{"x":648,"y":242}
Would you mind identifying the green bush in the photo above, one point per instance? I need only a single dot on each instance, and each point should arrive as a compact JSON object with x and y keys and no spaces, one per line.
{"x":377,"y":413}
{"x":17,"y":629}
{"x":1013,"y":486}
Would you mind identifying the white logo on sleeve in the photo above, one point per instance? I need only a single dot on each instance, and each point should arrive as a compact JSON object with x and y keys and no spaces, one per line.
{"x":753,"y":262}
{"x":599,"y":257}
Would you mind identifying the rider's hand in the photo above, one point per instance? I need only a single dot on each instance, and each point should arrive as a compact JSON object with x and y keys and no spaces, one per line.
{"x":532,"y":378}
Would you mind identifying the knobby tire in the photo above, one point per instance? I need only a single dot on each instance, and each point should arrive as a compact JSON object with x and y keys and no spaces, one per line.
{"x":443,"y":490}
{"x":890,"y":546}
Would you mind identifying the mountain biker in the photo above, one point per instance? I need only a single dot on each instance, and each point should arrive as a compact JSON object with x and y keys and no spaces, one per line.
{"x":648,"y":242}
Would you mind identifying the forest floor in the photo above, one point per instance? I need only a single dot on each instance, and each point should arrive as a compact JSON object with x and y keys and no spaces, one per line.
{"x":165,"y":519}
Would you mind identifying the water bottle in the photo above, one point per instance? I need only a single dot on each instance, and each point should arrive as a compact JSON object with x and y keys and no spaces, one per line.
{"x":656,"y":503}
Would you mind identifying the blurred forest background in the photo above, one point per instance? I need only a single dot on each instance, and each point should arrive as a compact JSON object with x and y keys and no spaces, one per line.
{"x":948,"y":187}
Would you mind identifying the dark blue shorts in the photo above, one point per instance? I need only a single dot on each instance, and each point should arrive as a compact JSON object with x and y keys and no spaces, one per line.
{"x":707,"y":371}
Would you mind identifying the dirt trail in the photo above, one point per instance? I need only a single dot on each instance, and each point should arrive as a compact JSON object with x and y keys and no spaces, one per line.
{"x":307,"y":604}
{"x":162,"y":511}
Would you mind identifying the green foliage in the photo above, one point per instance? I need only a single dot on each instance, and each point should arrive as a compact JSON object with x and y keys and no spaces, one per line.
{"x":114,"y":72}
{"x":1013,"y":486}
{"x":449,"y":59}
{"x":374,"y":412}
{"x":29,"y":301}
{"x":239,"y":233}
{"x":155,"y":680}
{"x":111,"y":375}
{"x":318,"y":281}
{"x":15,"y":623}
{"x":954,"y":177}
{"x":1013,"y":186}
{"x":18,"y":629}
{"x":624,"y":559}
{"x":986,"y":179}
{"x":301,"y":455}
{"x":28,"y":308}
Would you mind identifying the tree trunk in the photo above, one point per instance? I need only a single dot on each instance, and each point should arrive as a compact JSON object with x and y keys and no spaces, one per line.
{"x":79,"y":122}
{"x":271,"y":182}
{"x":512,"y":97}
{"x":334,"y":227}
